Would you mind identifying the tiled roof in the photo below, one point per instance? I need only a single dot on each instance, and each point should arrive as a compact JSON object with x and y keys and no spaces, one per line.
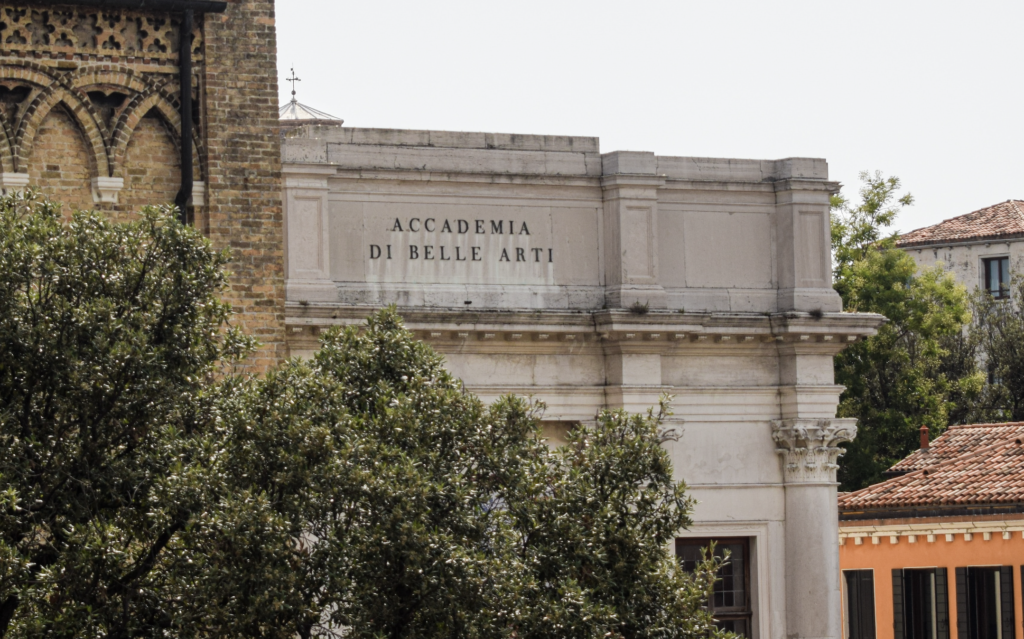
{"x":956,"y":441}
{"x":977,"y":465}
{"x":1000,"y":221}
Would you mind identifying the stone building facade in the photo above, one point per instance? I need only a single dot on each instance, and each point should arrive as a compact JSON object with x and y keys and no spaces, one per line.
{"x":540,"y":266}
{"x":90,"y":114}
{"x":982,"y":249}
{"x":535,"y":264}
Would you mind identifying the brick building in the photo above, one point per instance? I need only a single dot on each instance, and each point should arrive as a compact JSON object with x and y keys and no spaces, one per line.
{"x":91,"y":115}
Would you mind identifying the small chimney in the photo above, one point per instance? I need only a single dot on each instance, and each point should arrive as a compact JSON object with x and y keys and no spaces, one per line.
{"x":925,"y":436}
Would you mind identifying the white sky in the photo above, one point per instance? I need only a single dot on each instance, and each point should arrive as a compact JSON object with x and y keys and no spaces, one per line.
{"x":928,"y":91}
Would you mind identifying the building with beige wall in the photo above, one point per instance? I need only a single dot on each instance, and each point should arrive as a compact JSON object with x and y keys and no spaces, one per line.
{"x":541,"y":266}
{"x":981,"y":249}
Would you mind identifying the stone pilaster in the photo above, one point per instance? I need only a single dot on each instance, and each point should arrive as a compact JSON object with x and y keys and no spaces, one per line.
{"x":803,"y":237}
{"x":307,"y":240}
{"x":631,"y":184}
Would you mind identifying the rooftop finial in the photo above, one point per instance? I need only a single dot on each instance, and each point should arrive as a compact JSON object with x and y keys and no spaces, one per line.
{"x":293,"y":80}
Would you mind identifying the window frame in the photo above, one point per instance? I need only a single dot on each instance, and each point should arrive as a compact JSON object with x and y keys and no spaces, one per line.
{"x":1004,"y":285}
{"x":968,"y":615}
{"x":846,"y":593}
{"x":732,"y":613}
{"x":937,"y":618}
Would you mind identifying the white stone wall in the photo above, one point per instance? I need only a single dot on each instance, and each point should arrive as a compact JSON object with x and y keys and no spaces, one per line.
{"x":636,"y":276}
{"x":964,"y":260}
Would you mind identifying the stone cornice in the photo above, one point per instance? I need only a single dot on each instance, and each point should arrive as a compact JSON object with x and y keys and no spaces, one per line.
{"x":621,"y":331}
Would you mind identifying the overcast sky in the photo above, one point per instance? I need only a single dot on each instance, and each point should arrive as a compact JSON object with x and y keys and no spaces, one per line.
{"x":928,"y":91}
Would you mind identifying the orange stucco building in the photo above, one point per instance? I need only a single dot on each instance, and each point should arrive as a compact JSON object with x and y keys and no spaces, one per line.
{"x":937,"y":552}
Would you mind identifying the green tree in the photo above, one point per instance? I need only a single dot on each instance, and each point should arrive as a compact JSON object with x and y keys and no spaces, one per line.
{"x":110,"y":335}
{"x":998,"y":331}
{"x":147,"y":490}
{"x":437,"y":516}
{"x":915,"y":371}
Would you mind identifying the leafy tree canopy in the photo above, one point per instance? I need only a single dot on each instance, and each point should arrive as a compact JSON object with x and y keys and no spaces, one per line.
{"x":998,"y":333}
{"x":915,"y":371}
{"x":147,"y":490}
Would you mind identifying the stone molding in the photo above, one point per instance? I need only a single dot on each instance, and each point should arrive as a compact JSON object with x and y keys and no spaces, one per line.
{"x":105,"y":189}
{"x":809,"y":448}
{"x":13,"y":182}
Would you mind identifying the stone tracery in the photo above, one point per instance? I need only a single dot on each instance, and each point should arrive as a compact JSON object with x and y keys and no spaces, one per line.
{"x":106,"y":69}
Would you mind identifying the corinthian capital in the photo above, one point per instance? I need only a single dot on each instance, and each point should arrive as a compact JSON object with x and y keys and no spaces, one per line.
{"x":809,"y":448}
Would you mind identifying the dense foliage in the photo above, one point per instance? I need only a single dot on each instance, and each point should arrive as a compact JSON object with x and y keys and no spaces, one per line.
{"x":109,"y":336}
{"x":917,"y":370}
{"x":147,"y":490}
{"x":997,"y":334}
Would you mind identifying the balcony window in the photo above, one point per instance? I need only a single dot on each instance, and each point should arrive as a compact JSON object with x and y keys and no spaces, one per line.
{"x":859,"y":604}
{"x":984,"y":602}
{"x":920,"y":603}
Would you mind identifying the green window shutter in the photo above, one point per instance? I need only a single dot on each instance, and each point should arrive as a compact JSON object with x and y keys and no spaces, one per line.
{"x":961,"y":604}
{"x":897,"y":603}
{"x":1006,"y":585}
{"x":867,"y":603}
{"x":941,"y":603}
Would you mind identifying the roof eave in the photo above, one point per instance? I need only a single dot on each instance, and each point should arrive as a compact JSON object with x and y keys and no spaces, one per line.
{"x":960,"y":241}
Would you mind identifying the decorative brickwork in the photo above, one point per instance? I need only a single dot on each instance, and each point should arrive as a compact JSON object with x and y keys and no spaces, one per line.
{"x":90,"y":97}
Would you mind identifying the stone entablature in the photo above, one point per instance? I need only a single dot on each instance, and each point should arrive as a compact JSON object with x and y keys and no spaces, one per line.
{"x":440,"y":219}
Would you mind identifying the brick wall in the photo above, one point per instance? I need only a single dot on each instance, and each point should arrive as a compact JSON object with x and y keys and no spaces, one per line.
{"x":59,"y":164}
{"x":244,"y":159}
{"x":77,"y":109}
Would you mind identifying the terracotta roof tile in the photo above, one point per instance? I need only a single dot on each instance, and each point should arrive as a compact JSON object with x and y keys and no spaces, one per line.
{"x":958,"y":440}
{"x":976,"y":465}
{"x":1000,"y":221}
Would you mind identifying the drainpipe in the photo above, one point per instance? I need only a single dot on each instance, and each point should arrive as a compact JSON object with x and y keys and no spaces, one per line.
{"x":185,"y":65}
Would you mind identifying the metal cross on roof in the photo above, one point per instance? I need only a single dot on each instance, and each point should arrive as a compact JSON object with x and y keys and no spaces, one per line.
{"x":293,"y":80}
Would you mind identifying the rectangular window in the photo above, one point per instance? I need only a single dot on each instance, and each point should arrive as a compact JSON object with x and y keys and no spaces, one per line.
{"x":859,"y":604}
{"x":920,"y":603}
{"x":984,"y":602}
{"x":997,"y":276}
{"x":730,"y":601}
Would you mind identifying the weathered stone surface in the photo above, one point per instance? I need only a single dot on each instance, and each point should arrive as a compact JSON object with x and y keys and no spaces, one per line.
{"x":539,"y":267}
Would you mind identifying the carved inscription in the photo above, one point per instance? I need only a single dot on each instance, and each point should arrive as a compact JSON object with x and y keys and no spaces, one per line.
{"x":445,"y":249}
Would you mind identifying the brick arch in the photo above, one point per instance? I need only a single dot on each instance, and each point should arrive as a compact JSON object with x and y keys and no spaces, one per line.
{"x":6,"y":153}
{"x":116,"y":76}
{"x":80,"y":111}
{"x":163,"y":103}
{"x":34,"y":75}
{"x":29,"y":72}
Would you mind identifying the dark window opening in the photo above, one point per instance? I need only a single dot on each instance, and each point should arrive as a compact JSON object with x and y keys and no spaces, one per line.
{"x":859,"y":604}
{"x":985,"y":602}
{"x":997,"y":277}
{"x":730,"y":601}
{"x":920,"y":603}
